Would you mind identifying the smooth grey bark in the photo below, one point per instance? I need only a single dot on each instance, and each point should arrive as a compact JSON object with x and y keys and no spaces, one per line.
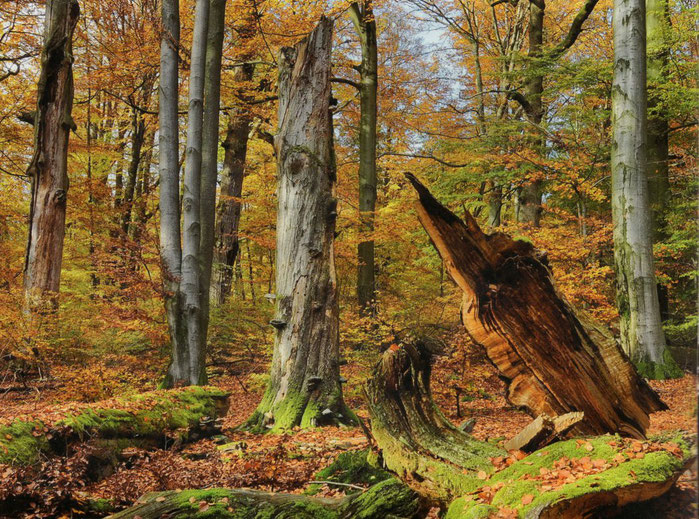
{"x":48,"y":168}
{"x":304,"y":388}
{"x":641,"y":333}
{"x":365,"y":25}
{"x":209,"y":162}
{"x":169,"y":175}
{"x":190,"y":285}
{"x":235,"y":146}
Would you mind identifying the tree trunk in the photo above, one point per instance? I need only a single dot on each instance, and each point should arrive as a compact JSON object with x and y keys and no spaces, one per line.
{"x":48,"y":168}
{"x":193,"y":367}
{"x":442,"y":463}
{"x":365,"y":25}
{"x":637,"y":297}
{"x":304,"y":388}
{"x":530,"y":196}
{"x":235,"y":147}
{"x":553,"y":362}
{"x":168,"y":134}
{"x":138,"y":135}
{"x":214,"y":50}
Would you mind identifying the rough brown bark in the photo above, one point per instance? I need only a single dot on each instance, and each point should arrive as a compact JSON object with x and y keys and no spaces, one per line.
{"x":48,"y":168}
{"x":554,"y":362}
{"x":304,"y":388}
{"x":235,"y":147}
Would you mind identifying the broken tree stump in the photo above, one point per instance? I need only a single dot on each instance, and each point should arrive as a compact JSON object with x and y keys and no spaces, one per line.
{"x":568,"y":479}
{"x":552,"y":360}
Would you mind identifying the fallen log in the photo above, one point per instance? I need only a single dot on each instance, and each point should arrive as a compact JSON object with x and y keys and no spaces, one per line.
{"x":572,"y":478}
{"x":161,"y":417}
{"x":388,"y":499}
{"x":553,"y":361}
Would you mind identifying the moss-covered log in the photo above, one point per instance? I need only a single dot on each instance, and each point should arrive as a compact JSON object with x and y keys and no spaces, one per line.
{"x":566,"y":479}
{"x":554,"y":361}
{"x":388,"y":499}
{"x":165,"y":417}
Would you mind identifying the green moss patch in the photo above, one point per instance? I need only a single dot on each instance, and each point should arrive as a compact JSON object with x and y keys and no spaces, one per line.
{"x":146,"y":415}
{"x":570,"y":469}
{"x":21,"y":442}
{"x":351,"y":468}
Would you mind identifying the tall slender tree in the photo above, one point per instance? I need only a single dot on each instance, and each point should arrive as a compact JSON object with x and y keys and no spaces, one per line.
{"x":365,"y":25}
{"x":170,"y":240}
{"x":304,"y":387}
{"x":210,"y":142}
{"x":641,"y":332}
{"x":48,"y":168}
{"x":187,"y":264}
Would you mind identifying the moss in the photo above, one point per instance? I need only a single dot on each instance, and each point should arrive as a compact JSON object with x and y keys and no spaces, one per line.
{"x":659,"y":371}
{"x":21,"y":442}
{"x":654,"y":467}
{"x":100,"y":506}
{"x":464,"y":508}
{"x":390,"y":498}
{"x":163,"y":411}
{"x":352,"y":468}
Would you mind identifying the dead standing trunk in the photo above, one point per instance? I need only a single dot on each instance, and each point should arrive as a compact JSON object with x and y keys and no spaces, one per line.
{"x":553,"y":362}
{"x":48,"y":168}
{"x":304,"y":388}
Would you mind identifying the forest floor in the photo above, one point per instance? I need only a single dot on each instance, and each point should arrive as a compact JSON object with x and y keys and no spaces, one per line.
{"x":287,"y":463}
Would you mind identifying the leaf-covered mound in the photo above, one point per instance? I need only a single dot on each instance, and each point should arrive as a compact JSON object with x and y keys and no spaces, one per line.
{"x":578,"y":474}
{"x":155,"y":414}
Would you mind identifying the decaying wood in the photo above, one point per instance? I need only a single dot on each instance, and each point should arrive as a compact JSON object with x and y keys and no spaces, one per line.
{"x":48,"y":168}
{"x":553,"y":361}
{"x":450,"y":468}
{"x":388,"y":499}
{"x":304,"y":387}
{"x":542,"y":431}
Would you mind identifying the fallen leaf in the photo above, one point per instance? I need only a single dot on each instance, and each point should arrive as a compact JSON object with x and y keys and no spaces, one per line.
{"x":527,"y":498}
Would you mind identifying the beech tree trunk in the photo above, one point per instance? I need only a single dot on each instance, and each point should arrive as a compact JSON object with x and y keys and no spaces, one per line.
{"x":214,"y":50}
{"x":365,"y":25}
{"x":304,"y":388}
{"x":642,"y":335}
{"x":48,"y":168}
{"x":554,"y":363}
{"x":235,"y":147}
{"x":170,"y":241}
